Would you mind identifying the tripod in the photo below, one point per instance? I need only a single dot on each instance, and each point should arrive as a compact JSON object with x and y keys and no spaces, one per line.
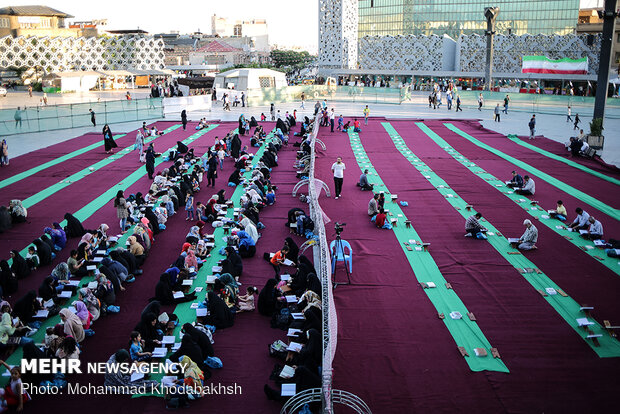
{"x":340,"y":250}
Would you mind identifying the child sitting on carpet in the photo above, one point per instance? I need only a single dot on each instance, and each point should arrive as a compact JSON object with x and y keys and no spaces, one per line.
{"x":246,"y":302}
{"x":136,"y":348}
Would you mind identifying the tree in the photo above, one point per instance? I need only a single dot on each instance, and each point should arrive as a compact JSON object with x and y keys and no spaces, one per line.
{"x":290,"y":58}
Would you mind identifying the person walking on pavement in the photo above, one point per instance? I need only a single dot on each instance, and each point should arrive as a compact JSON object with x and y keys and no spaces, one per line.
{"x":568,"y":113}
{"x":93,"y":119}
{"x":497,"y":112}
{"x":366,"y":113}
{"x":506,"y":100}
{"x":532,"y":125}
{"x":458,"y":104}
{"x":480,"y":102}
{"x":303,"y":99}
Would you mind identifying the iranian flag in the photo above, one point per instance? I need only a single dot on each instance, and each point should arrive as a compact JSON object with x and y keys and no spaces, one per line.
{"x":542,"y":64}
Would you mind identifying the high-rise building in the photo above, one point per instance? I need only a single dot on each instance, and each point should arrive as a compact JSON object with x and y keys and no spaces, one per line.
{"x":456,"y":17}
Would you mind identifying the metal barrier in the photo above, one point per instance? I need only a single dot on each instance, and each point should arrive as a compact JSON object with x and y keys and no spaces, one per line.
{"x":51,"y":117}
{"x":322,"y":263}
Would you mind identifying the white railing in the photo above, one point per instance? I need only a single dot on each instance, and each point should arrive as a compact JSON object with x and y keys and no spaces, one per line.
{"x":322,"y":263}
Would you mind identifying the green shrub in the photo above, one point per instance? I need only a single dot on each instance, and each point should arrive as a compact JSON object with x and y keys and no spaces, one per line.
{"x":596,"y":127}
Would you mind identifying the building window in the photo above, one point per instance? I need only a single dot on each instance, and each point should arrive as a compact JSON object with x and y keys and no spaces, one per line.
{"x":4,"y":22}
{"x":266,"y":81}
{"x":45,"y":23}
{"x":237,"y":30}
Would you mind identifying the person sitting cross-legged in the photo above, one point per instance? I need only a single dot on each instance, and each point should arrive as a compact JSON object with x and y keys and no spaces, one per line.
{"x":529,"y":238}
{"x":529,"y":188}
{"x":595,"y":231}
{"x":516,"y":181}
{"x":474,"y":228}
{"x":363,"y":183}
{"x":581,"y":221}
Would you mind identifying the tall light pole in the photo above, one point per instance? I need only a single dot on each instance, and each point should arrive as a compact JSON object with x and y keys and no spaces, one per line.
{"x":602,"y":81}
{"x":491,"y":14}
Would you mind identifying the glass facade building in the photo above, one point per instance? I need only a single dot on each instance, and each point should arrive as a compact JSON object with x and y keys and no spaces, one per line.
{"x":456,"y":17}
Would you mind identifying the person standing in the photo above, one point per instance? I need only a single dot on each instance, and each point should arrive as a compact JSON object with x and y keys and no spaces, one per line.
{"x":303,"y":100}
{"x":211,"y":169}
{"x":150,"y":161}
{"x":480,"y":102}
{"x":366,"y":113}
{"x":45,"y":98}
{"x":338,"y":170}
{"x":568,"y":113}
{"x":332,"y":118}
{"x":243,"y":99}
{"x":532,"y":125}
{"x":139,"y":145}
{"x":18,"y":117}
{"x":121,"y":210}
{"x":184,"y":119}
{"x":506,"y":100}
{"x":30,"y":90}
{"x":108,"y":139}
{"x":4,"y":153}
{"x":497,"y":112}
{"x":93,"y":119}
{"x":449,"y":100}
{"x":214,"y":95}
{"x":458,"y":104}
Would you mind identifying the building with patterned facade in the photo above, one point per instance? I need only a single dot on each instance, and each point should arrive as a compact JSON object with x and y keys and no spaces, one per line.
{"x":343,"y":51}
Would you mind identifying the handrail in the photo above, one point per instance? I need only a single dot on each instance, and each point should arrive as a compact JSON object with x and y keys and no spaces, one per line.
{"x":322,"y":263}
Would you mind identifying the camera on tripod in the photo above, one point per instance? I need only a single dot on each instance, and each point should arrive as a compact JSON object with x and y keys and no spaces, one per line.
{"x":338,"y":227}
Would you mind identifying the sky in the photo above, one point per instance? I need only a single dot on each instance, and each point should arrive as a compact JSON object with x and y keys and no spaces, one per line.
{"x":289,"y":22}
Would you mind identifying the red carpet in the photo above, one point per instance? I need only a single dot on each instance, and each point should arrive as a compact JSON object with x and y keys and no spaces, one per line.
{"x":396,"y":354}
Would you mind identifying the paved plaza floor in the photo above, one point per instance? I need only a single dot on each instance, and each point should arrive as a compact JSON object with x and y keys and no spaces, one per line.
{"x":516,"y":122}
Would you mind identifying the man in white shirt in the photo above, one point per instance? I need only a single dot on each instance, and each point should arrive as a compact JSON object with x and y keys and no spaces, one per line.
{"x":581,"y":222}
{"x":529,"y":187}
{"x":338,"y":170}
{"x":332,"y":117}
{"x":595,"y":231}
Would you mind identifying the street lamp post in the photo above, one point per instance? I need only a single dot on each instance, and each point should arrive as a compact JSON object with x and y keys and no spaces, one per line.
{"x":602,"y":82}
{"x":491,"y":14}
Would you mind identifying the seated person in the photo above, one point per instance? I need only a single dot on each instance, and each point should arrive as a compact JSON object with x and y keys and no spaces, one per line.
{"x":581,"y":221}
{"x":379,"y":219}
{"x":373,"y":206}
{"x":529,"y":238}
{"x":529,"y":187}
{"x":474,"y":228}
{"x":346,"y":126}
{"x":356,"y":126}
{"x":595,"y":231}
{"x":363,"y":183}
{"x":516,"y":181}
{"x":560,"y":212}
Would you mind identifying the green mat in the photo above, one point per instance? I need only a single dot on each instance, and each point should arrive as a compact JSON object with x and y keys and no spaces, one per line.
{"x":466,"y":333}
{"x":18,"y":177}
{"x":52,"y":189}
{"x":565,"y":306}
{"x":536,"y":212}
{"x":572,"y":163}
{"x":183,"y":310}
{"x":39,"y":336}
{"x":89,"y":209}
{"x":610,"y":211}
